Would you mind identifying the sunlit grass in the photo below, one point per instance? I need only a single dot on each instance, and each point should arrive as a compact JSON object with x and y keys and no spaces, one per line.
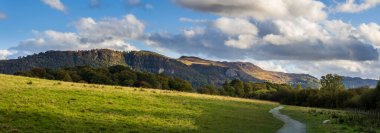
{"x":36,"y":105}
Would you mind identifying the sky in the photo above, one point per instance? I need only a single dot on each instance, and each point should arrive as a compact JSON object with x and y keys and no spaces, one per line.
{"x":316,"y":37}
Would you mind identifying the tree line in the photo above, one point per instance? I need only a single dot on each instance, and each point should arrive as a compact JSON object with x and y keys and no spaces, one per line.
{"x":114,"y":75}
{"x":332,"y":94}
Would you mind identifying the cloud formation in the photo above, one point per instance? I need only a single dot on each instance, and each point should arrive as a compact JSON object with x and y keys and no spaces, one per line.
{"x":56,"y":4}
{"x":298,"y":39}
{"x":259,"y":9}
{"x":351,"y":6}
{"x":109,"y":33}
{"x":371,"y":32}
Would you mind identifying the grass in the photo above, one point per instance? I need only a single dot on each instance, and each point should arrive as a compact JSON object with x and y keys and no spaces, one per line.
{"x":340,"y":121}
{"x":36,"y":105}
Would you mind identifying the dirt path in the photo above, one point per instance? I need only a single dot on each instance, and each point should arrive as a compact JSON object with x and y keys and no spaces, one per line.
{"x":290,"y":126}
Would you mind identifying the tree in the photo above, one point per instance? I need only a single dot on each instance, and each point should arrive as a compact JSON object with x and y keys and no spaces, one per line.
{"x":248,"y":89}
{"x":298,"y":87}
{"x":180,"y":85}
{"x":377,"y":95}
{"x":331,"y":84}
{"x":238,"y":86}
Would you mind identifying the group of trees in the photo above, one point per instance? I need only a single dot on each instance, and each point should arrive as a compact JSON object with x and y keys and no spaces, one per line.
{"x":115,"y":75}
{"x":238,"y":88}
{"x":333,"y":94}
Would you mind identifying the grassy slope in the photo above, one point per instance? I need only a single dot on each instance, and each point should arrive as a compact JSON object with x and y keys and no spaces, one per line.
{"x":46,"y":106}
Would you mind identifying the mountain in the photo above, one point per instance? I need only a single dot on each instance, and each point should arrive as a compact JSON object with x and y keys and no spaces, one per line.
{"x":247,"y":72}
{"x":355,"y":82}
{"x":193,"y":69}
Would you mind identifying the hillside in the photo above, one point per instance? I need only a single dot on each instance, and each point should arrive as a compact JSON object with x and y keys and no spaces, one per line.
{"x":197,"y":71}
{"x":356,"y":82}
{"x":249,"y":72}
{"x":36,"y":105}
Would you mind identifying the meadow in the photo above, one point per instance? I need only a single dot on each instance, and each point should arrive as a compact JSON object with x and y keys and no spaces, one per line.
{"x":38,"y":105}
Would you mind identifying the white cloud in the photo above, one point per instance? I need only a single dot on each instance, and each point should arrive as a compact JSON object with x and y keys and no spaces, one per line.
{"x":189,"y":33}
{"x":111,"y":33}
{"x":244,"y":41}
{"x":56,"y":4}
{"x":4,"y":54}
{"x":260,"y":9}
{"x":111,"y":28}
{"x":295,"y":31}
{"x":371,"y":32}
{"x":241,"y":33}
{"x":3,"y":16}
{"x":352,"y":6}
{"x":339,"y":29}
{"x":235,"y":26}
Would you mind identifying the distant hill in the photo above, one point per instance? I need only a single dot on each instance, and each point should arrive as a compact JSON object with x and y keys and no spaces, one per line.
{"x":247,"y":72}
{"x":356,"y":82}
{"x":193,"y":69}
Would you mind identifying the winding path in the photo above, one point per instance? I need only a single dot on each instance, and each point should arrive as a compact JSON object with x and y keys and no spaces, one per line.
{"x":291,"y":126}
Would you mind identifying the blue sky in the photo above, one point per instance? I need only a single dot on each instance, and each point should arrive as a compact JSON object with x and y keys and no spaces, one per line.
{"x":24,"y":17}
{"x":300,"y":36}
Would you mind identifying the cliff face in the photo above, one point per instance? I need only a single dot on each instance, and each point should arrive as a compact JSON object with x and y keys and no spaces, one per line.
{"x":193,"y":69}
{"x":59,"y":59}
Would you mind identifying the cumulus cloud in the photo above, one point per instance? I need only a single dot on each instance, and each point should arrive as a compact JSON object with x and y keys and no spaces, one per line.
{"x":295,"y":31}
{"x":259,"y":9}
{"x":371,"y":32}
{"x":56,"y":4}
{"x":352,"y":6}
{"x":297,"y":39}
{"x":112,"y":28}
{"x":109,"y":33}
{"x":3,"y":16}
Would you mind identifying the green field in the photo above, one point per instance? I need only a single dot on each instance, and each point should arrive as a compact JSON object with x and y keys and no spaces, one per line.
{"x":36,"y":105}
